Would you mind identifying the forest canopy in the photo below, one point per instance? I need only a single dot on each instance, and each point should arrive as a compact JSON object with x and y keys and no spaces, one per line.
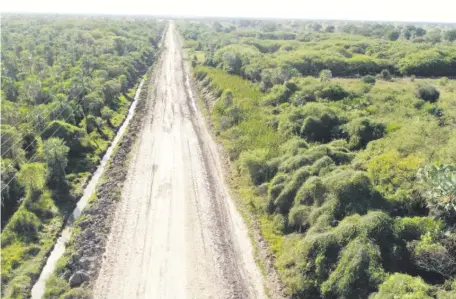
{"x":67,"y":84}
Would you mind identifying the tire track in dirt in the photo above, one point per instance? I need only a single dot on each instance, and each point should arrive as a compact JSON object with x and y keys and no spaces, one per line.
{"x":176,"y":232}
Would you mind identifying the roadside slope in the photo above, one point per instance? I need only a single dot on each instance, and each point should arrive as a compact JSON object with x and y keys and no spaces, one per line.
{"x":176,"y":232}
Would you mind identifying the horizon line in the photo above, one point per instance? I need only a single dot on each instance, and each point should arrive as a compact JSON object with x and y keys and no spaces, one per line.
{"x":177,"y":16}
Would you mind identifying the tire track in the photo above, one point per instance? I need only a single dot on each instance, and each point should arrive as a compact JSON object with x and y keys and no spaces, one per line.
{"x":176,"y":232}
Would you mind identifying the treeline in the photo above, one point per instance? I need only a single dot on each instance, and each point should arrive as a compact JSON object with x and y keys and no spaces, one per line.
{"x":67,"y":83}
{"x":279,"y":53}
{"x":418,"y":33}
{"x":341,"y":172}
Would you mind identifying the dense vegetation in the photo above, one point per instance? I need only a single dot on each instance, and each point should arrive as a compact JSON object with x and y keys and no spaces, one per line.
{"x":67,"y":84}
{"x":341,"y":147}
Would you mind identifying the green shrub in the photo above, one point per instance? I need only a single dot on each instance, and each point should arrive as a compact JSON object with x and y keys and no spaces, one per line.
{"x":41,"y":205}
{"x":368,"y":79}
{"x":72,"y":135}
{"x":77,"y":293}
{"x":333,"y":92}
{"x":231,"y":117}
{"x":284,"y":201}
{"x":10,"y":192}
{"x":341,"y":157}
{"x":55,"y":152}
{"x":293,"y":146}
{"x":412,"y":228}
{"x":379,"y":227}
{"x":325,"y":75}
{"x":302,"y":97}
{"x":256,"y":164}
{"x":280,"y":94}
{"x":337,"y":262}
{"x":362,"y":131}
{"x":400,"y":285}
{"x":320,"y":129}
{"x":308,"y":263}
{"x":227,"y":97}
{"x":295,"y":162}
{"x":322,"y":165}
{"x":273,"y":193}
{"x":280,"y":178}
{"x":428,"y":93}
{"x":19,"y":287}
{"x":280,"y":223}
{"x":354,"y":192}
{"x":358,"y":272}
{"x":32,"y":177}
{"x":25,"y":224}
{"x":322,"y":218}
{"x":233,"y":58}
{"x":298,"y":218}
{"x":385,"y":75}
{"x":56,"y":287}
{"x":311,"y":192}
{"x":429,"y":62}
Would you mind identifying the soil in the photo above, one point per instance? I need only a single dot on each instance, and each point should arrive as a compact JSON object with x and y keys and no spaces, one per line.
{"x":175,"y":233}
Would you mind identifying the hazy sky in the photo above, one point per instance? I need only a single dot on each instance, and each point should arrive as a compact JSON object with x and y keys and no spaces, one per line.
{"x":400,"y":10}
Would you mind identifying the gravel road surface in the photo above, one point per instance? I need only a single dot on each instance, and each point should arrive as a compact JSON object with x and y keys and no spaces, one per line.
{"x":176,"y":232}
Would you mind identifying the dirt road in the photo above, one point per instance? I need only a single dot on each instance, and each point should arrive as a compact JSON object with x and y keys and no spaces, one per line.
{"x":176,"y":232}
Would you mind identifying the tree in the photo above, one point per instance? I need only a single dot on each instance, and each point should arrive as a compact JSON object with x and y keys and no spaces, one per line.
{"x":330,"y":29}
{"x":393,"y":35}
{"x":10,"y":89}
{"x":11,"y":190}
{"x":93,"y":102}
{"x":232,"y":63}
{"x":32,"y":177}
{"x":408,"y":31}
{"x":450,"y":35}
{"x":434,"y":36}
{"x":106,"y":114}
{"x":111,"y":91}
{"x":55,"y":152}
{"x":420,"y":31}
{"x":218,"y":27}
{"x":316,"y":27}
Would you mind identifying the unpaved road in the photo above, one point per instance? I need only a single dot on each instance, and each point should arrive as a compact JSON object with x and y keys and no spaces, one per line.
{"x":176,"y":232}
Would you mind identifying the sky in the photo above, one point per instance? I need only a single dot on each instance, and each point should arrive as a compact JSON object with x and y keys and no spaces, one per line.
{"x":384,"y":10}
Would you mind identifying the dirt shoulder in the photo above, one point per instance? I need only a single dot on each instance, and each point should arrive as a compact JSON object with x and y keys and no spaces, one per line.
{"x":274,"y":286}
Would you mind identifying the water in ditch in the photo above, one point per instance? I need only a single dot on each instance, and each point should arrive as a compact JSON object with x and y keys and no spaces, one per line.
{"x":59,"y":248}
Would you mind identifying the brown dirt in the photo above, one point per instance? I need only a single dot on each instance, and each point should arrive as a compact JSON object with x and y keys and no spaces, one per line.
{"x":176,"y":232}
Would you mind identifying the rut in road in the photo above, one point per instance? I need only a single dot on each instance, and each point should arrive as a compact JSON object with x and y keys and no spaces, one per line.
{"x":176,"y":232}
